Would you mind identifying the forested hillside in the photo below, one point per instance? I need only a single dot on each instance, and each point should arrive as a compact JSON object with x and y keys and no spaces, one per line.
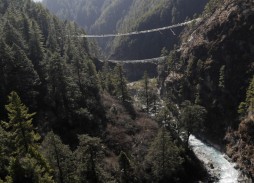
{"x":115,"y":16}
{"x":213,"y":67}
{"x":62,"y":121}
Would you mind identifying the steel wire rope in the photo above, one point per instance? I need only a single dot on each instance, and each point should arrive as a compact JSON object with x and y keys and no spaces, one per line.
{"x":138,"y":32}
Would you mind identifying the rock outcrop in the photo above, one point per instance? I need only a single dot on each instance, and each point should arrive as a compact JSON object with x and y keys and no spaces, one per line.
{"x":215,"y":63}
{"x":216,"y":56}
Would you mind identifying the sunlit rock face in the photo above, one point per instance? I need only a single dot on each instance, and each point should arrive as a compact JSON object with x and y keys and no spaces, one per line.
{"x":226,"y":38}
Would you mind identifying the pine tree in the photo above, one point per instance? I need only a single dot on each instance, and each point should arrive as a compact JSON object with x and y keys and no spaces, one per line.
{"x":164,"y":52}
{"x":222,"y":77}
{"x":89,"y":156}
{"x":80,"y":68}
{"x":154,"y":97}
{"x":248,"y":105}
{"x":36,"y":45}
{"x":94,"y":47}
{"x":20,"y":124}
{"x":121,"y":88}
{"x":25,"y":27}
{"x":59,"y":157}
{"x":126,"y":168}
{"x":12,"y":36}
{"x":164,"y":117}
{"x":145,"y":91}
{"x":101,"y":80}
{"x":69,"y":51}
{"x":5,"y":149}
{"x":5,"y":71}
{"x":23,"y":79}
{"x":59,"y":85}
{"x":51,"y":43}
{"x":164,"y":156}
{"x":43,"y":20}
{"x":84,"y":41}
{"x":92,"y":77}
{"x":28,"y":171}
{"x":192,"y":119}
{"x":110,"y":87}
{"x":172,"y":62}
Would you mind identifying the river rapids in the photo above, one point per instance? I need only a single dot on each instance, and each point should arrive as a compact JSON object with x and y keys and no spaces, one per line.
{"x":214,"y":160}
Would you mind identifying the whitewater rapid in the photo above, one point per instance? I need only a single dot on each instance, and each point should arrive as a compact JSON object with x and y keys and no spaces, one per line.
{"x":215,"y":159}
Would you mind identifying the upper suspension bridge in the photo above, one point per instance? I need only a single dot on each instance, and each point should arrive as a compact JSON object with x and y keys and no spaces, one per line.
{"x":152,"y":60}
{"x":139,"y":32}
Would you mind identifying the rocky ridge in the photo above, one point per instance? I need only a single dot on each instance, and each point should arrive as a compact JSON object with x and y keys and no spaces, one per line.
{"x":223,"y":40}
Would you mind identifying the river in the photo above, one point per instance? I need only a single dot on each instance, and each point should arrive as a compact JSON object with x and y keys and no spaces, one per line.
{"x":215,"y":160}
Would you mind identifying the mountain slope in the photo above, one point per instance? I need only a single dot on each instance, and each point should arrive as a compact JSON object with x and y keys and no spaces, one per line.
{"x":112,"y":16}
{"x":214,"y":65}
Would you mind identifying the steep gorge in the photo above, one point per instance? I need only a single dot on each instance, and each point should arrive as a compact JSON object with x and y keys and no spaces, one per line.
{"x":214,"y":66}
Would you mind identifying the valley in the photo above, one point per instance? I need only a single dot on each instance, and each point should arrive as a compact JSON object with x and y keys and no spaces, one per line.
{"x":124,"y":91}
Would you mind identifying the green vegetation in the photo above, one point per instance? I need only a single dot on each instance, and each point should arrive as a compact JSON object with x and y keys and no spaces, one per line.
{"x":107,"y":17}
{"x":90,"y":130}
{"x":165,"y":158}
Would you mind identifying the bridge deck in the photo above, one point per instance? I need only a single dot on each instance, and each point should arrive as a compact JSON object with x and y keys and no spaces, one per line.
{"x":138,"y":32}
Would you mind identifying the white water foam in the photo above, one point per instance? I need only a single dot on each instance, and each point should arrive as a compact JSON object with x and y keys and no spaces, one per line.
{"x":209,"y":154}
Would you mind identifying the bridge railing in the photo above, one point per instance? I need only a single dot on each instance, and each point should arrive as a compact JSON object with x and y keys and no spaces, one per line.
{"x":137,"y":32}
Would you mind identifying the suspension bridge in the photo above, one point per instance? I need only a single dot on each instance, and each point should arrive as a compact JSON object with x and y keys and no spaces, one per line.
{"x":138,"y":32}
{"x":152,"y":60}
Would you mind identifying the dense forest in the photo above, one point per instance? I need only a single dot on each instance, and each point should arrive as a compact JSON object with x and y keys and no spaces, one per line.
{"x":117,"y":16}
{"x":64,"y":121}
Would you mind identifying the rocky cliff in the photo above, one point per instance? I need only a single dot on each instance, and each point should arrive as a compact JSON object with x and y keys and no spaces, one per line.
{"x":214,"y":65}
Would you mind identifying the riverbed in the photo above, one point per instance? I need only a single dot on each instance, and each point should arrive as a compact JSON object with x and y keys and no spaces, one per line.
{"x":214,"y":160}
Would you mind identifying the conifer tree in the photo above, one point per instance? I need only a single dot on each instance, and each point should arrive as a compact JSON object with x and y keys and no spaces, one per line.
{"x":105,"y":68}
{"x":80,"y":68}
{"x":248,"y":105}
{"x":43,"y":20}
{"x":164,"y":52}
{"x":153,"y":94}
{"x":164,"y":117}
{"x":58,"y":84}
{"x":164,"y":156}
{"x":222,"y":77}
{"x":5,"y":71}
{"x":172,"y":62}
{"x":28,"y":171}
{"x":92,"y":75}
{"x":36,"y":45}
{"x":20,"y":124}
{"x":101,"y":80}
{"x":69,"y":51}
{"x":192,"y":119}
{"x":59,"y":157}
{"x":110,"y":84}
{"x":23,"y":79}
{"x":12,"y":36}
{"x":25,"y":26}
{"x":89,"y":156}
{"x":94,"y":47}
{"x":121,"y":88}
{"x":84,"y":41}
{"x":145,"y":92}
{"x":126,"y":168}
{"x":51,"y":43}
{"x":5,"y":149}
